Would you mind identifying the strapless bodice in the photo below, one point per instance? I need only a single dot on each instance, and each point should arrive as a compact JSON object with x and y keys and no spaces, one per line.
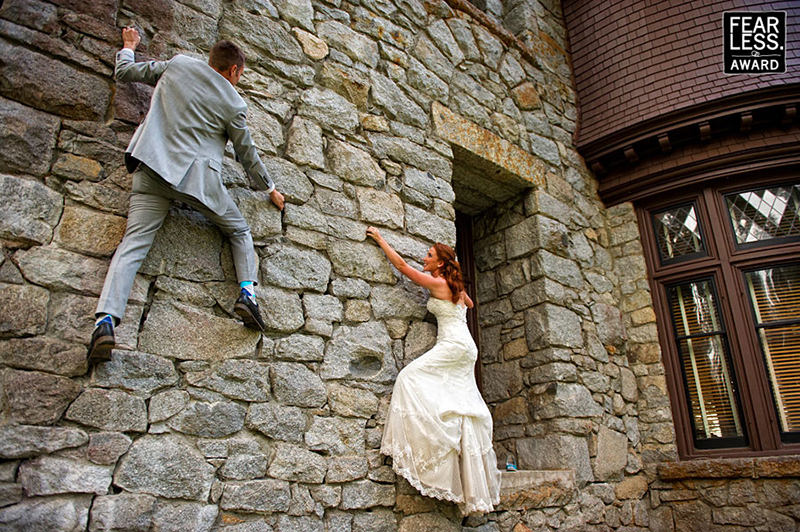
{"x":451,"y":322}
{"x":445,"y":310}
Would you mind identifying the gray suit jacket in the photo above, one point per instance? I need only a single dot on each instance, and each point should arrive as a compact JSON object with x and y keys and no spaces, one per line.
{"x":193,"y":113}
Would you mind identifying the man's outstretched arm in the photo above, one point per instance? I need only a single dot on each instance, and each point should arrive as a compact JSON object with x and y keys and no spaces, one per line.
{"x":128,"y":69}
{"x":246,"y":152}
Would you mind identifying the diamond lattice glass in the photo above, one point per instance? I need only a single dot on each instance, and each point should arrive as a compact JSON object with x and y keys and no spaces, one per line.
{"x":765,"y":213}
{"x":678,"y":233}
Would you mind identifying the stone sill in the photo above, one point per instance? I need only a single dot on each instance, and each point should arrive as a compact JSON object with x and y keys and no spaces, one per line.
{"x":522,"y":490}
{"x":761,"y":467}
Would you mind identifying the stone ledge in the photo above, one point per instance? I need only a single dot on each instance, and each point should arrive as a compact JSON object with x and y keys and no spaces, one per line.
{"x":522,"y":490}
{"x":762,"y":467}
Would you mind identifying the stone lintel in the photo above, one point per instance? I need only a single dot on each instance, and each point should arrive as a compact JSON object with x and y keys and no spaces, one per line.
{"x":733,"y":468}
{"x":525,"y":169}
{"x":757,"y":467}
{"x":522,"y":490}
{"x":709,"y":468}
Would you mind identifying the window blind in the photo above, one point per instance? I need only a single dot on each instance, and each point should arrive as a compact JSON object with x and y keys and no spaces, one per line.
{"x":705,"y":361}
{"x":775,"y":298}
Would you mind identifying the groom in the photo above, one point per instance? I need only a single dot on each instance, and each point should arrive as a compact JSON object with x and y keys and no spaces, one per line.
{"x":176,"y":154}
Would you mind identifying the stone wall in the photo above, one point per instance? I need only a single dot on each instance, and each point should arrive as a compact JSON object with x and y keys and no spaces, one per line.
{"x":199,"y":424}
{"x":196,"y":422}
{"x":571,"y":361}
{"x":733,"y":494}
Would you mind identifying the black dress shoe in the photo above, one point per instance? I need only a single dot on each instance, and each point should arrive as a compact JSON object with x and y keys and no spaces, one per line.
{"x":247,"y":309}
{"x":102,"y":342}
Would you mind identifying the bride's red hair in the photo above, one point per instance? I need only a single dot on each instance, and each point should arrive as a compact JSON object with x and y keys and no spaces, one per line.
{"x":450,"y":269}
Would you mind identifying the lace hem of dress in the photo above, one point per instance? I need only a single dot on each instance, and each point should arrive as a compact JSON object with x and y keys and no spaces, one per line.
{"x":399,"y":455}
{"x":404,"y":454}
{"x":479,"y":507}
{"x":485,"y":447}
{"x":428,"y":491}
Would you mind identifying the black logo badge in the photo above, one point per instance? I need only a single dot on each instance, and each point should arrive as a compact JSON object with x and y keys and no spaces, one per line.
{"x":755,"y":42}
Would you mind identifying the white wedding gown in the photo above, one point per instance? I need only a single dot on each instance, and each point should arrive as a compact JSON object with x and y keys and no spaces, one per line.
{"x":439,"y":429}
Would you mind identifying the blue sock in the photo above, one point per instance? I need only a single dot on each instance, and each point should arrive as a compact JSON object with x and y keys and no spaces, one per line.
{"x":102,"y":318}
{"x":248,"y":287}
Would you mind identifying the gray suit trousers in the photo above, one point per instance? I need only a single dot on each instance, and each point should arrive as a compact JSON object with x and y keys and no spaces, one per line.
{"x":149,"y":205}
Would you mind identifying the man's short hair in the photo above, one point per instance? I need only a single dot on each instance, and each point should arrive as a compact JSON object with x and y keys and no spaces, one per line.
{"x":224,"y":55}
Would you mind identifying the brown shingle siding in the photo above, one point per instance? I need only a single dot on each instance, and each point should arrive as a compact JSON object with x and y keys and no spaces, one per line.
{"x":672,"y":49}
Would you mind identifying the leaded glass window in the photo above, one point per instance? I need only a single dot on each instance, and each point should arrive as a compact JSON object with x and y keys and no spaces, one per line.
{"x":678,"y":233}
{"x":724,"y":261}
{"x":765,"y":213}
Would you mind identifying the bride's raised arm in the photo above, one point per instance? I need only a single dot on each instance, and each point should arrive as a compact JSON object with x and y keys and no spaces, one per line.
{"x":434,"y":284}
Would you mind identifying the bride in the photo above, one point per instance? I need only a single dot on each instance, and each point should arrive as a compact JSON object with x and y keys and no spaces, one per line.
{"x":439,"y":430}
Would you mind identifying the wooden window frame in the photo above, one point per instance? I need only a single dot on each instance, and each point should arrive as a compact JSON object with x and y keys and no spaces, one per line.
{"x":712,"y":444}
{"x":726,"y":263}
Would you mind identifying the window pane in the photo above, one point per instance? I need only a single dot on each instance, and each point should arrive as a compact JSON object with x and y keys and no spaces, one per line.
{"x":765,"y":213}
{"x":775,"y":296}
{"x":678,"y":233}
{"x":693,"y":304}
{"x":710,"y":392}
{"x":705,"y":362}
